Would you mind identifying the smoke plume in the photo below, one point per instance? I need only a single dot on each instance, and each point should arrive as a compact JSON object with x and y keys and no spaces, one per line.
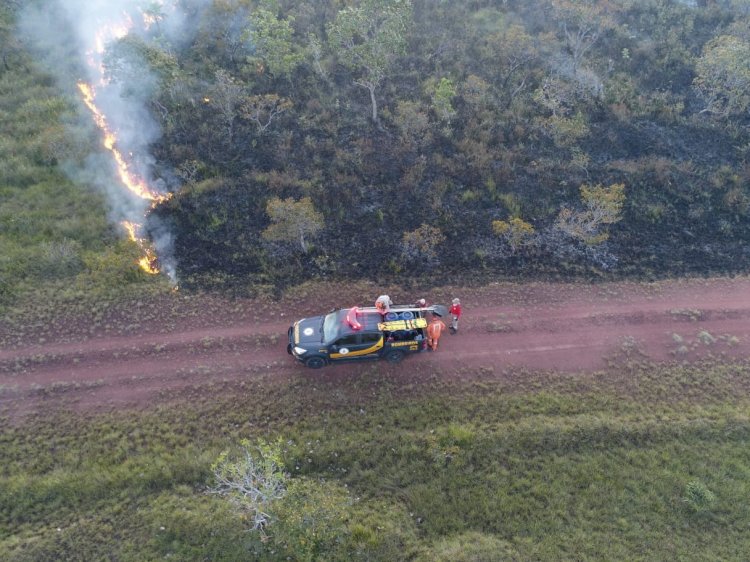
{"x":71,"y":38}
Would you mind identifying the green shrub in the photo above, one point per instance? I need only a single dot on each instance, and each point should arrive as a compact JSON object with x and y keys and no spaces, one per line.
{"x":252,"y":479}
{"x":310,"y":520}
{"x":698,"y":497}
{"x":379,"y":530}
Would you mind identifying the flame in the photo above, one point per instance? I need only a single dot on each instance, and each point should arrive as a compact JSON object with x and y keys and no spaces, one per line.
{"x":103,"y":36}
{"x":149,"y":260}
{"x":108,"y":33}
{"x":136,"y":185}
{"x":149,"y":20}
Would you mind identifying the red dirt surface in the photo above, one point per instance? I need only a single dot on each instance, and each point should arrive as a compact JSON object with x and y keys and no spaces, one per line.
{"x":572,"y":328}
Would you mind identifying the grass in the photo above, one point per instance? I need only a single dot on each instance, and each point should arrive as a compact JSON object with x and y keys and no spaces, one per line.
{"x":55,"y":230}
{"x":538,"y":466}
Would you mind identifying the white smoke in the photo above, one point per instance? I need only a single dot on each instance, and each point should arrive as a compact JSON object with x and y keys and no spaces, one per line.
{"x":69,"y":37}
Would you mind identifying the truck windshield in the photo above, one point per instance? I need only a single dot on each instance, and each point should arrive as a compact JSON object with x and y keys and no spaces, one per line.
{"x":331,"y":326}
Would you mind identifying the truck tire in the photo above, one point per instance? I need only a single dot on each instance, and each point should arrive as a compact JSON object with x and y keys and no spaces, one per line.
{"x":394,"y":356}
{"x":315,"y":362}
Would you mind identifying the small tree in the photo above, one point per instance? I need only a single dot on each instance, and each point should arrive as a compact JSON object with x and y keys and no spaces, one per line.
{"x":516,"y":233}
{"x":252,"y":480}
{"x":292,"y":221}
{"x":271,"y":38}
{"x":723,"y":76}
{"x":263,"y":109}
{"x":442,"y":94}
{"x":226,"y":96}
{"x":368,"y":37}
{"x":602,"y":207}
{"x":582,"y":23}
{"x":511,"y":54}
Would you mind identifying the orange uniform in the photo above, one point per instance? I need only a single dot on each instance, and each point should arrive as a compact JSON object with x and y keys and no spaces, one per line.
{"x":434,"y":330}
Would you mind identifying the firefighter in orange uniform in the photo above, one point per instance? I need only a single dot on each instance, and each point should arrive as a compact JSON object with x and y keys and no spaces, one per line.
{"x":434,"y":330}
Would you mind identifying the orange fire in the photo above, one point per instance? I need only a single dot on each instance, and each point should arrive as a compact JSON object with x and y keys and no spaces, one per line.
{"x":114,"y":31}
{"x":137,"y":186}
{"x":132,"y":182}
{"x":149,"y":260}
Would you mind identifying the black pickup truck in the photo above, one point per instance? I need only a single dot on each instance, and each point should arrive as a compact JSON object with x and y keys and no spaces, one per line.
{"x":360,"y":334}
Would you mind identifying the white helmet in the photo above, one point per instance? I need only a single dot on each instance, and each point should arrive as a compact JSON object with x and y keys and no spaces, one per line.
{"x":456,"y":301}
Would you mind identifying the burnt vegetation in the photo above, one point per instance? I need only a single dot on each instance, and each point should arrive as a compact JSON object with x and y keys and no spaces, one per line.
{"x":400,"y":137}
{"x":486,"y":111}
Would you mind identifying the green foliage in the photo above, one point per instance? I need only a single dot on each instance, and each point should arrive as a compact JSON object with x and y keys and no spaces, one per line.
{"x":126,"y":59}
{"x":516,"y":232}
{"x":263,"y":109}
{"x":292,"y":221}
{"x":50,"y":228}
{"x":271,"y":38}
{"x":183,"y":525}
{"x":312,"y":520}
{"x":116,"y":264}
{"x":723,"y":76}
{"x":602,"y":207}
{"x":412,"y":121}
{"x":379,"y":530}
{"x":582,"y":23}
{"x":368,"y":37}
{"x":698,"y":497}
{"x":566,"y":131}
{"x":371,"y":34}
{"x":480,"y":106}
{"x":511,"y":202}
{"x":442,"y":94}
{"x":252,"y":479}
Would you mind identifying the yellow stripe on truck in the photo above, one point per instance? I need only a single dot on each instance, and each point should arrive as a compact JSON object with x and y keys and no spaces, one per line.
{"x":367,"y":351}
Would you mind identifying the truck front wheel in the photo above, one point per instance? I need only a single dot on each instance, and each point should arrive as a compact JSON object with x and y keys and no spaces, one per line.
{"x":315,"y":362}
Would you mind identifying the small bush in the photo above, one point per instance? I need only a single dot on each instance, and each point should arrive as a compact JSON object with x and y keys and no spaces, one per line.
{"x":252,"y":480}
{"x":311,"y":520}
{"x":698,"y":497}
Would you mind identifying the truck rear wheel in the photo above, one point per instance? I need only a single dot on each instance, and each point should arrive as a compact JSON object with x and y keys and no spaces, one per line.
{"x":394,"y":356}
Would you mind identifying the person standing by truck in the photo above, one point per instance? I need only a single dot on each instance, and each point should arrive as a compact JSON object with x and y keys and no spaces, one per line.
{"x":455,"y":312}
{"x":435,"y":329}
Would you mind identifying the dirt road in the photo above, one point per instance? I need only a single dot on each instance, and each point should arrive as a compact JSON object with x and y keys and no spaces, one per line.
{"x":538,"y":326}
